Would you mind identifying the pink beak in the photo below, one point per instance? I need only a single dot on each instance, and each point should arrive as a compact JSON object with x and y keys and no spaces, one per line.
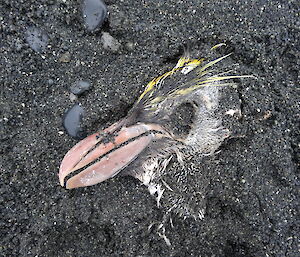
{"x":100,"y":158}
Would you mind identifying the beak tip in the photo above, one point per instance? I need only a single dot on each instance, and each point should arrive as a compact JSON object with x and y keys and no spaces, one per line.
{"x":61,"y":177}
{"x":61,"y":180}
{"x":70,"y":184}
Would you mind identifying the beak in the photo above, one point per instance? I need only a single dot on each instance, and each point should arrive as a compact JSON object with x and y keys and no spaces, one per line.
{"x":103,"y":155}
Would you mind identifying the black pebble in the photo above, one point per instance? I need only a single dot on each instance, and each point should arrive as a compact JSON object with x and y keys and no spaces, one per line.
{"x":72,"y":122}
{"x":94,"y":14}
{"x":79,"y":87}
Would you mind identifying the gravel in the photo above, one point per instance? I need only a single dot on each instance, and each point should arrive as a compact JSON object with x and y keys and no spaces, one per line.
{"x":252,"y":197}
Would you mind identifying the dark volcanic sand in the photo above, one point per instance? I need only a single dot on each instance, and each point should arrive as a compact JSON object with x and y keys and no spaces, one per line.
{"x":252,"y":202}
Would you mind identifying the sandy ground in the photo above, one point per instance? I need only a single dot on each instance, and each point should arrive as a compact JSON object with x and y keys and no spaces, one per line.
{"x":252,"y":198}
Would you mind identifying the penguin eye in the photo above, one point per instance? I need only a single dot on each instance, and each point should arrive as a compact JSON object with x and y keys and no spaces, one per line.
{"x":182,"y":119}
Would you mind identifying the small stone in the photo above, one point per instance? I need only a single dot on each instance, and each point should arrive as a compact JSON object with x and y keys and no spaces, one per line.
{"x":66,"y":57}
{"x":79,"y":87}
{"x":129,"y":46}
{"x":36,"y":39}
{"x":50,"y":82}
{"x":94,"y":14}
{"x":73,"y":97}
{"x":109,"y":42}
{"x":72,"y":121}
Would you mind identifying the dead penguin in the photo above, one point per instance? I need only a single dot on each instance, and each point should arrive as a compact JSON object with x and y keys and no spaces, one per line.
{"x":177,"y":115}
